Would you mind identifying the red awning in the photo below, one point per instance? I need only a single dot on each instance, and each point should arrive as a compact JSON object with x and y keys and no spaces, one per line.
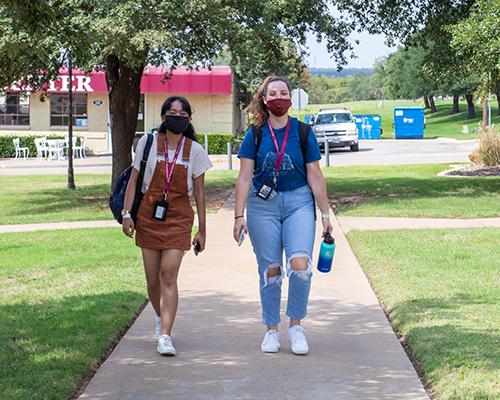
{"x":183,"y":81}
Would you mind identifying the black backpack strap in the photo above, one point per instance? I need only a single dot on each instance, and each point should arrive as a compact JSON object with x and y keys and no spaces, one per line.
{"x":257,"y":137}
{"x":304,"y":130}
{"x":138,"y":187}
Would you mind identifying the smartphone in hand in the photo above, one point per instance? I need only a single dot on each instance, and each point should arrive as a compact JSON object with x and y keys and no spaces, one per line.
{"x":241,"y":237}
{"x":196,"y":248}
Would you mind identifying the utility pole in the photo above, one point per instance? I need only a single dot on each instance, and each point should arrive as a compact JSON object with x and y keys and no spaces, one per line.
{"x":71,"y":177}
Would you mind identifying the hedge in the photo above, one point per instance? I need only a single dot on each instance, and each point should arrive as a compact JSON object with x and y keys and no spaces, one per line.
{"x":217,"y":142}
{"x":7,"y":145}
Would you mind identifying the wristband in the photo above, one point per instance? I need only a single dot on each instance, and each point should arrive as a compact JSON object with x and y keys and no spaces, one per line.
{"x":325,"y":215}
{"x":127,"y":215}
{"x":239,"y":216}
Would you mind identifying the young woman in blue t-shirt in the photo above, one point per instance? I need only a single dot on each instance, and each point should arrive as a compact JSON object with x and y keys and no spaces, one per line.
{"x":276,"y":185}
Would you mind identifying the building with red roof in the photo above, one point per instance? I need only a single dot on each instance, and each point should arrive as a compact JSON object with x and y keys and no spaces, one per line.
{"x":211,"y":93}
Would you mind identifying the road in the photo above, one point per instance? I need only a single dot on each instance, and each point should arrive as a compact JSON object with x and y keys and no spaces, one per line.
{"x":391,"y":151}
{"x":371,"y":152}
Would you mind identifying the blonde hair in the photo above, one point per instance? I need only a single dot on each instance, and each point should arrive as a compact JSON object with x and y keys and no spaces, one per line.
{"x":257,"y":108}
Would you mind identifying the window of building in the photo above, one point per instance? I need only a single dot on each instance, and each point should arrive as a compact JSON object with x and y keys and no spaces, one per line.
{"x":140,"y":117}
{"x":14,"y":109}
{"x":59,"y":110}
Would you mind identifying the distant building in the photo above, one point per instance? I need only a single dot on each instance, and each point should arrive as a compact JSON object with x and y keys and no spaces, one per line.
{"x":212,"y":95}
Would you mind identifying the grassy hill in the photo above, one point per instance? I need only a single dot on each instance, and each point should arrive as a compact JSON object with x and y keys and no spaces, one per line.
{"x":439,"y":124}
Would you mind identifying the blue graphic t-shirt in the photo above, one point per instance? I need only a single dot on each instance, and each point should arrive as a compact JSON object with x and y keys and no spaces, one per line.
{"x":292,"y":172}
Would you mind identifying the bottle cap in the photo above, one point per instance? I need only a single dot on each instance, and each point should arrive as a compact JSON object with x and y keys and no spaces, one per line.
{"x":329,"y":239}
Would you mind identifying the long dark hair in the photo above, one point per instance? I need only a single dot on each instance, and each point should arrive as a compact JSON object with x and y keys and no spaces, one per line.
{"x":257,"y":108}
{"x":189,"y":132}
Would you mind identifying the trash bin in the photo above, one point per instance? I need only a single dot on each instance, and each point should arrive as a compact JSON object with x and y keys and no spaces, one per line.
{"x":368,"y":126}
{"x":409,"y":123}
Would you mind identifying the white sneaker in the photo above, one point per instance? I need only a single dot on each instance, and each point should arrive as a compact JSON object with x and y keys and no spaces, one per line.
{"x":298,"y":339}
{"x":271,"y":342}
{"x":165,"y":345}
{"x":158,"y":329}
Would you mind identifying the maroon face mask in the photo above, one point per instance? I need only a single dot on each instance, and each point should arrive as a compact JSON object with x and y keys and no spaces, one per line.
{"x":279,"y":107}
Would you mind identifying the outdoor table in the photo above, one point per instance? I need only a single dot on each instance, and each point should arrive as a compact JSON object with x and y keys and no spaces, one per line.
{"x":56,"y":148}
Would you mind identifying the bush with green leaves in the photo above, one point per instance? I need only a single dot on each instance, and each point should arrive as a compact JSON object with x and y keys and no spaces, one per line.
{"x":217,"y":142}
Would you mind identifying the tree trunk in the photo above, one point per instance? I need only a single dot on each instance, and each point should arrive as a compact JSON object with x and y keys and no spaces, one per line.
{"x":498,"y":101}
{"x":470,"y":104}
{"x":426,"y":101}
{"x":456,"y":107}
{"x":433,"y":105}
{"x":124,"y":94}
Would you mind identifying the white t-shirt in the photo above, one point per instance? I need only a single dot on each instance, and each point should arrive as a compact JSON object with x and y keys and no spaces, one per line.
{"x":197,"y":165}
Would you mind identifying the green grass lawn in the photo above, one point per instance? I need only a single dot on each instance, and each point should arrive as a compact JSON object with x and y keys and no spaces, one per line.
{"x":439,"y":124}
{"x":45,"y":198}
{"x":412,"y":191}
{"x":441,"y":289}
{"x":64,"y":296}
{"x":386,"y":191}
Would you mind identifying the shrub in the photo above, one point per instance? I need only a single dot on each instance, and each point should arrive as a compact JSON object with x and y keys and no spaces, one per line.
{"x":488,"y":152}
{"x":217,"y":142}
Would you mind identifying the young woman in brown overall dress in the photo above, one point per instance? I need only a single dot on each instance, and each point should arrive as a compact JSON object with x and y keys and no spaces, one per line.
{"x":165,"y":239}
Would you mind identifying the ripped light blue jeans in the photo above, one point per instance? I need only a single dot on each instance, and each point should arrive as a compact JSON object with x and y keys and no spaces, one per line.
{"x":285,"y":222}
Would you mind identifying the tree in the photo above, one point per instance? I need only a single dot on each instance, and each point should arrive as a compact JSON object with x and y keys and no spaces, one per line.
{"x":401,"y":76}
{"x":35,"y":38}
{"x":363,"y":87}
{"x":126,"y":35}
{"x":476,"y":40}
{"x":421,"y":24}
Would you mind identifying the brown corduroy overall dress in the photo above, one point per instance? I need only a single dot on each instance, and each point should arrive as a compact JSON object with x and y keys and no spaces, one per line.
{"x":175,"y":231}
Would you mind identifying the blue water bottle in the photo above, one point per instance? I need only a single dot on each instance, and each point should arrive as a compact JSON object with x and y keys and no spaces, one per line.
{"x":326,"y":254}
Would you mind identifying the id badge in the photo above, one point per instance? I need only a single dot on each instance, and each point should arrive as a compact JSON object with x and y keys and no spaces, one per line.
{"x":266,"y":190}
{"x":160,"y":210}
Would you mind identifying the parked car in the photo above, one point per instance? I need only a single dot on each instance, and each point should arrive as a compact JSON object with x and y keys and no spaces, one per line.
{"x":337,"y":127}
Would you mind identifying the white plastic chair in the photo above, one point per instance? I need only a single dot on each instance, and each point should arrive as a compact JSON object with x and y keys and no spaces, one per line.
{"x":19,"y":149}
{"x":41,"y":148}
{"x":80,"y":149}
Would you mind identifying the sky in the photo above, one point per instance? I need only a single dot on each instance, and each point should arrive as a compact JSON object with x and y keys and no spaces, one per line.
{"x":369,"y":49}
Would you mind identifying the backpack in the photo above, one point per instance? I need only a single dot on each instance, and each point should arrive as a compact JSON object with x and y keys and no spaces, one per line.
{"x":118,"y":197}
{"x":304,"y":130}
{"x":303,"y":135}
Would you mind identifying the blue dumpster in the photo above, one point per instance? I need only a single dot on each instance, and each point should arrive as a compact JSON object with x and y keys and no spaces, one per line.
{"x":409,"y":122}
{"x":368,"y":126}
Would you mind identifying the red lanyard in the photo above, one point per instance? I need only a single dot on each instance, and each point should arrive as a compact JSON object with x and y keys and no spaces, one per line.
{"x":168,"y":173}
{"x":279,"y":154}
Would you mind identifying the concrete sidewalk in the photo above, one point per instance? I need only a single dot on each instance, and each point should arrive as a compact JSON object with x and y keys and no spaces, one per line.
{"x":354,"y":354}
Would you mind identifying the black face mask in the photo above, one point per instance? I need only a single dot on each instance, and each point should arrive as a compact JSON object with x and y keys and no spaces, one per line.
{"x":176,"y":124}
